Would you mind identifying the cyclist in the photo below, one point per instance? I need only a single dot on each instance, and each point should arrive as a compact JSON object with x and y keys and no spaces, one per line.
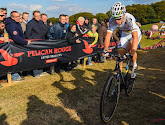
{"x":131,"y":34}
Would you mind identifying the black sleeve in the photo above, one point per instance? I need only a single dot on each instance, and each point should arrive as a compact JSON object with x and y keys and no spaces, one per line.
{"x":14,"y":33}
{"x":70,"y":39}
{"x":28,"y":33}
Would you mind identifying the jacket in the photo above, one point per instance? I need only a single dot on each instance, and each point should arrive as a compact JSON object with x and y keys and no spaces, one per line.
{"x":80,"y":30}
{"x":102,"y":33}
{"x":57,"y":31}
{"x":93,"y":35}
{"x":71,"y":38}
{"x":23,"y":25}
{"x":15,"y":31}
{"x":35,"y":30}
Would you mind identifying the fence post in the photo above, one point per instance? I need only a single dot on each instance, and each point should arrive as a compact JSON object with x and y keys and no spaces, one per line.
{"x":9,"y":78}
{"x":85,"y":60}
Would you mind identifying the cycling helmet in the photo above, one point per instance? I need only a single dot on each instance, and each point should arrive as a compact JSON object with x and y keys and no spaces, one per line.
{"x":118,"y":10}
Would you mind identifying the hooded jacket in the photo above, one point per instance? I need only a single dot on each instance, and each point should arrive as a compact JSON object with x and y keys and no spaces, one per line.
{"x":57,"y":31}
{"x":15,"y":31}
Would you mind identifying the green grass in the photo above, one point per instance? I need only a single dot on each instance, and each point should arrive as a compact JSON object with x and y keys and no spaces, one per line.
{"x":147,"y":26}
{"x":148,"y":42}
{"x":72,"y":98}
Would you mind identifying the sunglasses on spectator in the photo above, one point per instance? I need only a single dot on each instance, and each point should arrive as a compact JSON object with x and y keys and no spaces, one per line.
{"x":5,"y":13}
{"x":2,"y":15}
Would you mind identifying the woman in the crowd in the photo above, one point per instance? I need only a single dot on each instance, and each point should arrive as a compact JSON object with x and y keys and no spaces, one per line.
{"x":72,"y":36}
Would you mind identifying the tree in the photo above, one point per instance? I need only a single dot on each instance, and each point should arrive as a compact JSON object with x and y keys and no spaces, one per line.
{"x":73,"y":18}
{"x":109,"y":14}
{"x":53,"y":19}
{"x":101,"y":16}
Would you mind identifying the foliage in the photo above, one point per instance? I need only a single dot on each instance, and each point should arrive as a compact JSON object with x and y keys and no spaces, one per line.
{"x":148,"y":13}
{"x":144,"y":14}
{"x":101,"y":16}
{"x":53,"y":20}
{"x":73,"y":18}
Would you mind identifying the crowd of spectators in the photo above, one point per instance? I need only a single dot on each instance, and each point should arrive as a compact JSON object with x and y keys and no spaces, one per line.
{"x":19,"y":27}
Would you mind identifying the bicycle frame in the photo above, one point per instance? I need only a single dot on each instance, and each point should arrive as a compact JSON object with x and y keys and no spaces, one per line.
{"x":117,"y":69}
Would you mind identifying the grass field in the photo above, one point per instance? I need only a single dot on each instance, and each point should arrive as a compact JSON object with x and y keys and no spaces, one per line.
{"x":148,"y":26}
{"x":148,"y":42}
{"x":72,"y":98}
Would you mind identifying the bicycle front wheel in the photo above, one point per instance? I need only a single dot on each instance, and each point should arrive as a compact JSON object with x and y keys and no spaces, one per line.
{"x":109,"y":98}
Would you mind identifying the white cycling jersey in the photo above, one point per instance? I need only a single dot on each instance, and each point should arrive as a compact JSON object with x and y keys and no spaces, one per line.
{"x":127,"y":27}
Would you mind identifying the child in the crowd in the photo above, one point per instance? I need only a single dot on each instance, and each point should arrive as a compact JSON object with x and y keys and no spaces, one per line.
{"x":92,"y":33}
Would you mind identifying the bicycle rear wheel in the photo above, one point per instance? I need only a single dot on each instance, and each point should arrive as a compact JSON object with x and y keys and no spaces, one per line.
{"x":109,"y":98}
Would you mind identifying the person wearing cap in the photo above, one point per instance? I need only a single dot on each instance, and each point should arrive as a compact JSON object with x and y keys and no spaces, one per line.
{"x":131,"y":34}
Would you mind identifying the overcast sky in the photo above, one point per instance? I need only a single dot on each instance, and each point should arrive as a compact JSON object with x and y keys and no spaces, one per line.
{"x":53,"y":8}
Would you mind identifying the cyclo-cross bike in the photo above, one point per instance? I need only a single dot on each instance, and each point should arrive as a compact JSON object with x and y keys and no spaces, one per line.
{"x":113,"y":85}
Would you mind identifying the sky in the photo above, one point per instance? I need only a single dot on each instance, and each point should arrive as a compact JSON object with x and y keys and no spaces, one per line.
{"x":53,"y":8}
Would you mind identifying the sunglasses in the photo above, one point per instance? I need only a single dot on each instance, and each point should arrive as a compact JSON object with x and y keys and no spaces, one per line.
{"x":5,"y":13}
{"x":2,"y":15}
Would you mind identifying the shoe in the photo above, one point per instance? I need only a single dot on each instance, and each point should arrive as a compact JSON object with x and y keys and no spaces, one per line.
{"x":43,"y":74}
{"x":90,"y":64}
{"x":51,"y":71}
{"x":133,"y":75}
{"x":18,"y":80}
{"x":78,"y":66}
{"x":101,"y":61}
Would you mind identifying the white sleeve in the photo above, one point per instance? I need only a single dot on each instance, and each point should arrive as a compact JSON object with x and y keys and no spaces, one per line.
{"x":132,"y":23}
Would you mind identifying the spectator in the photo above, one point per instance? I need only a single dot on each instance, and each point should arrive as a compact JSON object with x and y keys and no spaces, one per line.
{"x":35,"y":30}
{"x":2,"y":17}
{"x":2,"y":27}
{"x":35,"y":27}
{"x":14,"y":29}
{"x":102,"y":33}
{"x":46,"y":23}
{"x":92,"y":33}
{"x":94,"y":22}
{"x":72,"y":36}
{"x":15,"y":32}
{"x":67,"y":20}
{"x":79,"y":27}
{"x":25,"y":17}
{"x":4,"y":12}
{"x":86,"y":23}
{"x":58,"y":30}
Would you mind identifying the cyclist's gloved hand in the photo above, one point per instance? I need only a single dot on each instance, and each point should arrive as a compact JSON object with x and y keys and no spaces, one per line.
{"x":106,"y":53}
{"x":131,"y":56}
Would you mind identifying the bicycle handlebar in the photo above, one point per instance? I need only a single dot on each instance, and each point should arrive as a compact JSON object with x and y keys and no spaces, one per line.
{"x":118,"y":56}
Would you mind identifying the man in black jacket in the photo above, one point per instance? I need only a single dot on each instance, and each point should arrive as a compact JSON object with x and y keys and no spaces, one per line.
{"x":35,"y":30}
{"x":35,"y":27}
{"x":15,"y":32}
{"x":58,"y":30}
{"x":14,"y":29}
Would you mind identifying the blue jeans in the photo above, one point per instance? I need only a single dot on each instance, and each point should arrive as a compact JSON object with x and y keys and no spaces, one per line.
{"x":15,"y":76}
{"x":37,"y":72}
{"x":89,"y":60}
